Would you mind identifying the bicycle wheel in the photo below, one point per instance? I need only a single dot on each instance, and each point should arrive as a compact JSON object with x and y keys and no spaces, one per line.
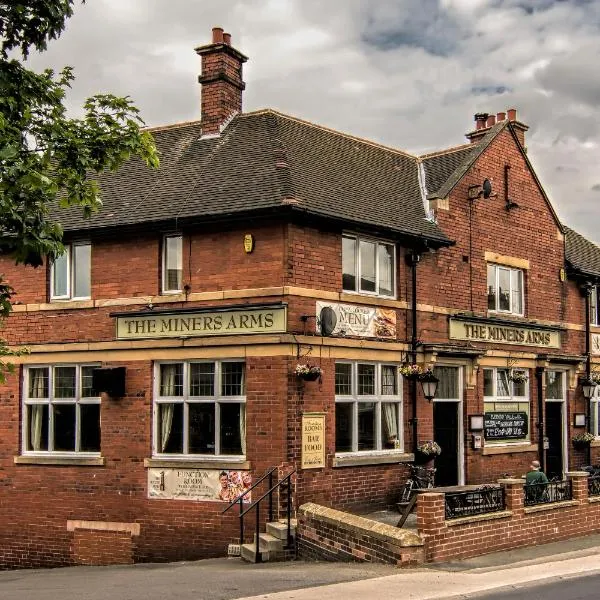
{"x":407,"y":491}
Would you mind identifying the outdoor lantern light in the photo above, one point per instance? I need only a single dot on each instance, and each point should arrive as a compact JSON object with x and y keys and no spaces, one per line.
{"x":429,"y":383}
{"x":588,"y":386}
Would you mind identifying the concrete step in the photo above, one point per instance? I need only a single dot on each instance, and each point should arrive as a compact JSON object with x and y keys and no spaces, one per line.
{"x":270,"y":543}
{"x":278,"y":529}
{"x":249,"y":554}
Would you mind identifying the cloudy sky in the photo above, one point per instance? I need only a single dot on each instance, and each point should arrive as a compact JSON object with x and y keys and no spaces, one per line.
{"x":407,"y":73}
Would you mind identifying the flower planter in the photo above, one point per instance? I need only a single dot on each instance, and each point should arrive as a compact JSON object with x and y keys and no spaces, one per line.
{"x":580,"y":445}
{"x":309,"y":376}
{"x":425,"y":460}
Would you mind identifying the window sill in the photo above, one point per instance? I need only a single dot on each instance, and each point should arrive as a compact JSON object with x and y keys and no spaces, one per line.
{"x":349,"y":296}
{"x":195,"y":463}
{"x":68,"y":303}
{"x":489,"y":450}
{"x":66,"y":461}
{"x":356,"y":460}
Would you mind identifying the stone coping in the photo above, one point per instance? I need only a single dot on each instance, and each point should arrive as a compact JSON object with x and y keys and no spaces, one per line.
{"x":550,"y":506}
{"x":503,"y":514}
{"x":361,"y":525}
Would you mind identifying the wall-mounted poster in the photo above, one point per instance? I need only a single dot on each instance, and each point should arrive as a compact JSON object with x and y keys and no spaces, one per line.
{"x":361,"y":321}
{"x":313,"y":440}
{"x":198,"y":484}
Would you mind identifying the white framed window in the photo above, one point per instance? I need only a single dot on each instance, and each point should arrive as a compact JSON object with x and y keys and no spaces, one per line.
{"x":556,"y":385}
{"x":594,"y":307}
{"x":595,"y":412}
{"x":172,"y":264}
{"x":70,"y":273}
{"x":368,"y":407}
{"x":505,"y":401}
{"x":368,"y":266}
{"x":505,"y":289}
{"x":61,"y":414}
{"x":200,"y":408}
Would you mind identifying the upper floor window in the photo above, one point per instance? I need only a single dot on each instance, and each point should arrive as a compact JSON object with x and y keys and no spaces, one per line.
{"x":595,"y":412}
{"x":505,"y":289}
{"x":368,"y":266}
{"x":70,"y":274}
{"x":200,"y":408}
{"x":61,"y":413}
{"x":368,"y":407}
{"x":172,"y":264}
{"x":594,"y":307}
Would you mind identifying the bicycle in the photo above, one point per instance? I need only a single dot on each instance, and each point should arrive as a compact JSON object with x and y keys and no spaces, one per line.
{"x":419,"y":478}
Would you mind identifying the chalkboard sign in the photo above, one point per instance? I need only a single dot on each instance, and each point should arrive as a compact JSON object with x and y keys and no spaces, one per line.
{"x":505,"y":425}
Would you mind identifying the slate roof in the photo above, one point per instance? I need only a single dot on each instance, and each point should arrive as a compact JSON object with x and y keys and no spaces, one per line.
{"x":265,"y":161}
{"x":581,"y":254}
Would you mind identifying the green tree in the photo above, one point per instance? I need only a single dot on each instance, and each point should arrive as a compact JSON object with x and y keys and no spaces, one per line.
{"x":46,"y":157}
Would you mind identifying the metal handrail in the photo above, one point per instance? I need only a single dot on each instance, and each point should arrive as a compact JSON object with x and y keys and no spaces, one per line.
{"x":239,"y":499}
{"x":256,"y":505}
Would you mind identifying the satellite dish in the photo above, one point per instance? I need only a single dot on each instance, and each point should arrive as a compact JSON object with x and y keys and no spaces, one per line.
{"x":327,"y":320}
{"x":487,"y":188}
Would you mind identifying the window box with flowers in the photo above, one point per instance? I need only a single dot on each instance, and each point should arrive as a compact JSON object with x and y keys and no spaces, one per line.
{"x":582,"y":440}
{"x":308,"y":372}
{"x":411,"y":371}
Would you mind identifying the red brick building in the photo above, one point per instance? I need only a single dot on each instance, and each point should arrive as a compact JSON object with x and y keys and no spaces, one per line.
{"x":200,"y":288}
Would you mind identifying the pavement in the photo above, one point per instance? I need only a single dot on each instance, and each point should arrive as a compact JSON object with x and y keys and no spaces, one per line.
{"x":229,"y":579}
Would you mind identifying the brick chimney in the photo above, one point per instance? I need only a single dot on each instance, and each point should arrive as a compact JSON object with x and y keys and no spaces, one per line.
{"x":221,"y":81}
{"x":484,"y":121}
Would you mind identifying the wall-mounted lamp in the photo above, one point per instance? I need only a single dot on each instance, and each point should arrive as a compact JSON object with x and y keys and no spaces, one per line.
{"x":588,"y":386}
{"x":429,"y":383}
{"x":475,"y":422}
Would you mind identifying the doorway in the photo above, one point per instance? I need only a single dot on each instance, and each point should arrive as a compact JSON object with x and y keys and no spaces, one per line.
{"x":554,"y":433}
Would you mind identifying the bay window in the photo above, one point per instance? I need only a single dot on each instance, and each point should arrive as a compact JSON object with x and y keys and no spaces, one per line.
{"x":61,"y":413}
{"x":368,"y":407}
{"x":200,"y":408}
{"x":368,"y":266}
{"x":505,"y":289}
{"x":70,"y":273}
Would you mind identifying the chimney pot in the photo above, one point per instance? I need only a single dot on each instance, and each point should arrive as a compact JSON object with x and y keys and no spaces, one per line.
{"x":217,"y":35}
{"x":491,"y":121}
{"x":227,"y":39}
{"x":501,"y":116}
{"x":512,"y":114}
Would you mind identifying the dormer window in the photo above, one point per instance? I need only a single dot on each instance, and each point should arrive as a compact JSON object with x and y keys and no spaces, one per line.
{"x":368,"y":266}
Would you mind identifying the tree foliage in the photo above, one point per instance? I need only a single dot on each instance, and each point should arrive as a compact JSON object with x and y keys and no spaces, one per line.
{"x":46,"y":157}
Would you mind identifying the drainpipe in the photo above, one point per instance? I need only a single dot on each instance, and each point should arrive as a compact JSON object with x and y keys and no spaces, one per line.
{"x":414,"y":260}
{"x":587,"y":289}
{"x":539,"y":377}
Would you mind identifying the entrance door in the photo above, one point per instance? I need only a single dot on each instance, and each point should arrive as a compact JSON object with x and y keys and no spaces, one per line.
{"x":445,"y":433}
{"x":554,"y":433}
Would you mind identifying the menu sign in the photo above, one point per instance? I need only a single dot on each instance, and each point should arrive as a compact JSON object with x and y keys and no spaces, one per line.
{"x":313,"y":440}
{"x":505,"y":425}
{"x":361,"y":321}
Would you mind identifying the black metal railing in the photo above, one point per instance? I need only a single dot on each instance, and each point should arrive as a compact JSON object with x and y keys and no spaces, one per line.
{"x":485,"y":499}
{"x":594,"y":485}
{"x":285,"y":481}
{"x":241,"y":499}
{"x":546,"y":493}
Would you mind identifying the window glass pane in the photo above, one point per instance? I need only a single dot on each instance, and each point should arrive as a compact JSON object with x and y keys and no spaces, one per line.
{"x":389,"y":380}
{"x":366,"y":380}
{"x":488,"y":382}
{"x":170,"y":428}
{"x":202,"y":379}
{"x":171,"y":379}
{"x":517,"y":286}
{"x":366,"y":426}
{"x":87,"y":390}
{"x":202,"y":428}
{"x":349,"y":264}
{"x":82,"y":270}
{"x":389,"y":422}
{"x":173,"y":263}
{"x":64,"y":427}
{"x":232,"y":419}
{"x":89,"y":424}
{"x":502,"y":383}
{"x":64,"y":382}
{"x":367,"y":266}
{"x":595,"y":419}
{"x":60,"y":275}
{"x":343,"y":379}
{"x":386,"y":269}
{"x":38,"y":383}
{"x":232,"y":379}
{"x":491,"y":283}
{"x":519,"y":387}
{"x":37,"y":427}
{"x":503,"y":289}
{"x":343,"y":426}
{"x":594,"y":306}
{"x":448,"y":384}
{"x":554,"y":385}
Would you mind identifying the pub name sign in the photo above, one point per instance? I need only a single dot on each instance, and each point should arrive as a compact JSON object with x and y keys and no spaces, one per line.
{"x":202,"y":323}
{"x":503,"y":334}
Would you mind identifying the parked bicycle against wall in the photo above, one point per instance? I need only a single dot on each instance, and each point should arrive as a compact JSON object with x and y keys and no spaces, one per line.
{"x":419,"y":478}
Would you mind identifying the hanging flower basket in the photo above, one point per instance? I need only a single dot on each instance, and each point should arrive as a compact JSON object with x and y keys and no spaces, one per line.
{"x":518,"y":376}
{"x":427,"y":451}
{"x":582,"y":440}
{"x":411,"y":371}
{"x":308,"y":372}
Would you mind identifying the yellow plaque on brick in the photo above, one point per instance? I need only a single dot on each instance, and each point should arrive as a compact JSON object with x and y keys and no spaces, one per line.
{"x":313,"y":441}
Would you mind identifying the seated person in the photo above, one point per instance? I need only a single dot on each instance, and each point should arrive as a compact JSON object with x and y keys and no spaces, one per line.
{"x":536,"y":478}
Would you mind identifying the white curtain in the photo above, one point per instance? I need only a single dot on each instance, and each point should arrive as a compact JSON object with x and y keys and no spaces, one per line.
{"x":389,"y":412}
{"x":168,"y":374}
{"x":243,"y":427}
{"x":37,"y":389}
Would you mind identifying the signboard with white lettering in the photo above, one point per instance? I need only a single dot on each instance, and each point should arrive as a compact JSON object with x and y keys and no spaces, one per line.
{"x":503,"y":334}
{"x":202,"y":323}
{"x":313,"y":440}
{"x":505,"y":425}
{"x":361,"y":321}
{"x":198,"y":484}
